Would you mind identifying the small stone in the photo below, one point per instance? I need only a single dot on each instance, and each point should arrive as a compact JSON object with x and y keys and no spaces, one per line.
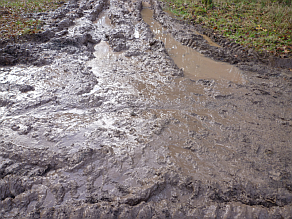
{"x":133,"y":114}
{"x":15,"y":127}
{"x":26,"y":88}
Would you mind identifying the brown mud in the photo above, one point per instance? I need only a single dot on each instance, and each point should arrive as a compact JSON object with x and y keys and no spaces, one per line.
{"x":99,"y":120}
{"x":194,"y":65}
{"x":232,"y":52}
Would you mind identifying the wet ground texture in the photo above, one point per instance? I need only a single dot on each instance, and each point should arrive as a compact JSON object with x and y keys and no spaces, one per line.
{"x":99,"y":120}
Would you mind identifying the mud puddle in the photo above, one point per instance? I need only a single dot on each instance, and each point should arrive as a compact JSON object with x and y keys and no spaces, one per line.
{"x":177,"y":104}
{"x":194,"y":65}
{"x":103,"y":20}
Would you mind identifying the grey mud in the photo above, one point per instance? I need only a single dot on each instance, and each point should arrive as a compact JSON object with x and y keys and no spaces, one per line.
{"x":107,"y":114}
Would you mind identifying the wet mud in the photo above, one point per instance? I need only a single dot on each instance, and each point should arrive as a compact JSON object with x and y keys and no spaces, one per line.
{"x":100,"y":120}
{"x":232,"y":52}
{"x":194,"y":65}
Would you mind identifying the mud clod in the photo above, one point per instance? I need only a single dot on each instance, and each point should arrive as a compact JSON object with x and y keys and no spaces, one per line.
{"x":26,"y":88}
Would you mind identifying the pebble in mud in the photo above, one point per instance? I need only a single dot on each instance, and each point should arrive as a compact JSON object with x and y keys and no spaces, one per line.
{"x":98,"y":122}
{"x":26,"y":88}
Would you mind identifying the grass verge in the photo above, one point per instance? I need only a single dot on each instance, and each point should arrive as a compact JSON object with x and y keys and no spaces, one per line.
{"x":14,"y":20}
{"x":264,"y":25}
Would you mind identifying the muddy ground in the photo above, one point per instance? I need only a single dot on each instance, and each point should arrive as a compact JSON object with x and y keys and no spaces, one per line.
{"x":97,"y":121}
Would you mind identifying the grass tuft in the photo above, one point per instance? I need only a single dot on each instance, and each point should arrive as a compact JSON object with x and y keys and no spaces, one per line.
{"x":265,"y":25}
{"x":13,"y":21}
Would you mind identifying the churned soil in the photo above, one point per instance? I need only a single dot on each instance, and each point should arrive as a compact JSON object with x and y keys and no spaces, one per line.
{"x":98,"y":121}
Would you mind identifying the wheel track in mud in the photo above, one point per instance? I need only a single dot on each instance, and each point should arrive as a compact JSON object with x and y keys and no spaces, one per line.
{"x":66,"y":158}
{"x":232,"y":52}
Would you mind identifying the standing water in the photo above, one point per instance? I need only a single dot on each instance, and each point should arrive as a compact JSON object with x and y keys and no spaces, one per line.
{"x":194,"y":64}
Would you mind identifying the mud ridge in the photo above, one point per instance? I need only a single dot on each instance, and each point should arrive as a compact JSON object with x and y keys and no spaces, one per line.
{"x":26,"y":49}
{"x":230,"y":52}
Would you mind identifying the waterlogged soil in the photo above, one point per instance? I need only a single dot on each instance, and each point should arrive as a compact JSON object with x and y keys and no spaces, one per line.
{"x":195,"y":66}
{"x":101,"y":118}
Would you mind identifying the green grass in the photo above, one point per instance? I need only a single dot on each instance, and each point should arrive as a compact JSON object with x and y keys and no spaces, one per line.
{"x":12,"y":20}
{"x":265,"y":25}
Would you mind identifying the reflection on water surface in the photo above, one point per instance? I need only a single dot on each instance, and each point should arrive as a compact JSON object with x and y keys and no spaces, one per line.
{"x":194,"y":64}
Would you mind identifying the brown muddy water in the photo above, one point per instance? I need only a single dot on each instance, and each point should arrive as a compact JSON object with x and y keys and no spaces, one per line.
{"x":194,"y":65}
{"x":179,"y":106}
{"x":103,"y":20}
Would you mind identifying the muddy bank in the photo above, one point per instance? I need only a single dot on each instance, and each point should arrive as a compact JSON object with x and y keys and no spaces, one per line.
{"x":194,"y":65}
{"x":97,"y":121}
{"x":230,"y":52}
